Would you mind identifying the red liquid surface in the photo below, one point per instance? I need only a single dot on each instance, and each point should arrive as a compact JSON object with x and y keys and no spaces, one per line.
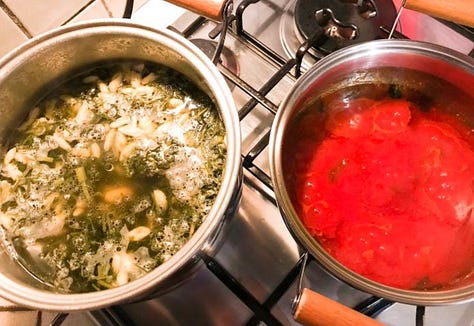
{"x":388,"y":190}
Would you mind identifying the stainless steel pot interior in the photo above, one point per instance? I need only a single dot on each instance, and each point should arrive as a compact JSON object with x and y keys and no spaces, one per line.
{"x":424,"y":67}
{"x":31,"y":70}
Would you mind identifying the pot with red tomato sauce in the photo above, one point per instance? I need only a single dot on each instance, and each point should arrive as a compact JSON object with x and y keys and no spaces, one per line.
{"x":372,"y":160}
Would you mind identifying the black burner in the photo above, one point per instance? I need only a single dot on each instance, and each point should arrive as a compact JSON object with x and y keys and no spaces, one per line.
{"x":343,"y":22}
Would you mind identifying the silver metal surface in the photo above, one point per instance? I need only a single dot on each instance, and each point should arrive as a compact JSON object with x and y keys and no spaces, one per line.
{"x":258,"y":250}
{"x":272,"y":22}
{"x":31,"y":68}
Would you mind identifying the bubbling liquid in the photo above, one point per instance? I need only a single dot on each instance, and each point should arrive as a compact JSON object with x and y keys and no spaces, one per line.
{"x":110,"y":176}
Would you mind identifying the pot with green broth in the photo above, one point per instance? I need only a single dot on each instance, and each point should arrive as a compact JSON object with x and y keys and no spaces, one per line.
{"x":110,"y":175}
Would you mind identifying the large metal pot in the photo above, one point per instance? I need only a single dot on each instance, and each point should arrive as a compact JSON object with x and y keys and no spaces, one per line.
{"x":441,"y":75}
{"x":32,"y":69}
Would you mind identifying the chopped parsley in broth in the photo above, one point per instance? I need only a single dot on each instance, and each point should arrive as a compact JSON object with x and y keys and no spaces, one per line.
{"x":111,"y":175}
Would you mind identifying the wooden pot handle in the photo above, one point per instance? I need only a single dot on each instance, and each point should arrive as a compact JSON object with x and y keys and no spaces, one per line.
{"x":209,"y":8}
{"x":314,"y":309}
{"x":457,"y":11}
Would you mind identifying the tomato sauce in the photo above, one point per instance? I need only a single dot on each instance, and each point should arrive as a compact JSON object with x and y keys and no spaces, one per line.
{"x":387,"y":189}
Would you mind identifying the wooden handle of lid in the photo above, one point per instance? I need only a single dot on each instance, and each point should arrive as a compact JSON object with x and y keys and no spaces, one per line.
{"x":457,"y":11}
{"x":314,"y":309}
{"x":209,"y":8}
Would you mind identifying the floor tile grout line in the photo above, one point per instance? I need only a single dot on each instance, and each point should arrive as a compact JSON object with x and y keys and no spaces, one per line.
{"x":78,"y":12}
{"x":15,"y":19}
{"x":109,"y":12}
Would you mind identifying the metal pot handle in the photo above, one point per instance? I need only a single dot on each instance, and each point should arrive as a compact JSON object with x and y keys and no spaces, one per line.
{"x":458,"y":11}
{"x":213,"y":9}
{"x":313,"y":309}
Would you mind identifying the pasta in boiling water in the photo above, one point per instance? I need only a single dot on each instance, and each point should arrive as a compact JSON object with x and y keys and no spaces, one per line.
{"x":110,"y":175}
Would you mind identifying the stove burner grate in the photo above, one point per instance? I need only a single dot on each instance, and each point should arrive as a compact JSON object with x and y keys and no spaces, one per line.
{"x":343,"y":22}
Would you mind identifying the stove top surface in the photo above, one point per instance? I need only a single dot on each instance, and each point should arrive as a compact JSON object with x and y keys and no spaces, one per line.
{"x":342,"y":23}
{"x":252,"y":278}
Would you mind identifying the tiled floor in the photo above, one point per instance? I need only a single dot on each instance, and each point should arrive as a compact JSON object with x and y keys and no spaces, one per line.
{"x":23,"y":19}
{"x":12,"y":35}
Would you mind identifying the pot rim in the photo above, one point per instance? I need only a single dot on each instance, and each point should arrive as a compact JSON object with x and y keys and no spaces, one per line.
{"x":50,"y":301}
{"x":290,"y":217}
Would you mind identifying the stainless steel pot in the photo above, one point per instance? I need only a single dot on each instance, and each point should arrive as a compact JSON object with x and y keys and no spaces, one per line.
{"x":32,"y":69}
{"x":442,"y":75}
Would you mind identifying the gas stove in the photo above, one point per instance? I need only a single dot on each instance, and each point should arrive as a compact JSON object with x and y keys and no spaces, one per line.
{"x":253,"y":277}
